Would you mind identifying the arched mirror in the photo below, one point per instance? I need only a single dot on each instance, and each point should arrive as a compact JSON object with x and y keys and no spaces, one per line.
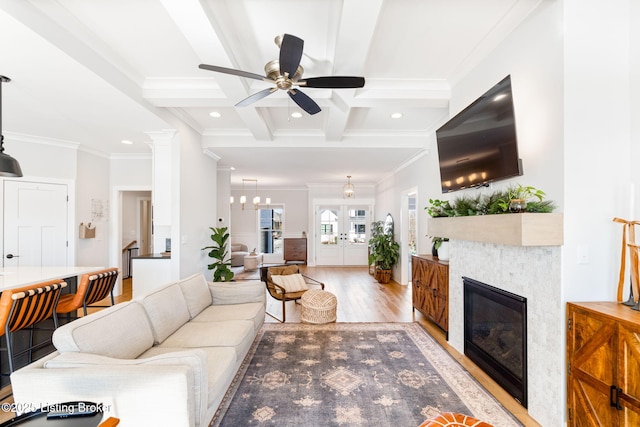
{"x":388,"y":224}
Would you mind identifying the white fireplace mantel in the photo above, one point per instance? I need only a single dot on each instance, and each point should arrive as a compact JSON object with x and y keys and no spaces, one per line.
{"x":525,"y":229}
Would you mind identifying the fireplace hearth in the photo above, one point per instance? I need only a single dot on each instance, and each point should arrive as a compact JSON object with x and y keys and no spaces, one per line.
{"x":495,"y":335}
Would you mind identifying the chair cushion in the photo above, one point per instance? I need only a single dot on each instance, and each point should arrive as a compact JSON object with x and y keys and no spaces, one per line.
{"x":167,"y":310}
{"x":196,"y":293}
{"x":290,"y":282}
{"x":282,"y":270}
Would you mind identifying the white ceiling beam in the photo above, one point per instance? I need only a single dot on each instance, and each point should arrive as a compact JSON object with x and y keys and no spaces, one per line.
{"x":357,"y":26}
{"x":201,"y":26}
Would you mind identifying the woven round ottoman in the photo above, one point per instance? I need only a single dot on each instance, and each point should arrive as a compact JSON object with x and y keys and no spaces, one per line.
{"x":318,"y":307}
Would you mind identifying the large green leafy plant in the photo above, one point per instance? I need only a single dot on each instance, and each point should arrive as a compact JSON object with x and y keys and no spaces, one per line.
{"x":218,"y":251}
{"x":384,"y":250}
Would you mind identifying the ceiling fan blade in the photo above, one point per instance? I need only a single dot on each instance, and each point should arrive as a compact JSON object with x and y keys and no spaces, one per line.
{"x":303,"y":101}
{"x":333,"y":82}
{"x":290,"y":54}
{"x":256,"y":97}
{"x":233,"y":72}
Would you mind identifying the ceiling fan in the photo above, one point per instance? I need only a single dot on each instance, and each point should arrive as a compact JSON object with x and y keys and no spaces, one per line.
{"x":286,"y":74}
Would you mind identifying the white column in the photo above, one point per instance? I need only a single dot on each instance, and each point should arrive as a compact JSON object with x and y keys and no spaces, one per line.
{"x":164,"y":173}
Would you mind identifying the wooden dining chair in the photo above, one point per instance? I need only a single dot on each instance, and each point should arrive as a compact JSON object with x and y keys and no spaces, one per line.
{"x":93,"y":287}
{"x":23,"y":307}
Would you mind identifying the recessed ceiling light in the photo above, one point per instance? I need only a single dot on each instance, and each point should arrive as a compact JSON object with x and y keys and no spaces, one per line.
{"x":296,"y":115}
{"x":396,"y":115}
{"x":215,"y":114}
{"x":126,"y":141}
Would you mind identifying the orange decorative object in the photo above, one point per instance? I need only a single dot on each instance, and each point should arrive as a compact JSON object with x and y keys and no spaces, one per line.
{"x":451,"y":419}
{"x":110,"y":422}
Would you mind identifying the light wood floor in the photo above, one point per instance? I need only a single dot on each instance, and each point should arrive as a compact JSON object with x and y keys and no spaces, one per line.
{"x":362,"y":299}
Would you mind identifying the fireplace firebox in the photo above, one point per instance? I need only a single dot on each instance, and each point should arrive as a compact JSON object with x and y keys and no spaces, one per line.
{"x":495,"y":335}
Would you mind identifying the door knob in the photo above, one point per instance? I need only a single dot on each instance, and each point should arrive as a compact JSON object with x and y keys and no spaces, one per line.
{"x":9,"y":256}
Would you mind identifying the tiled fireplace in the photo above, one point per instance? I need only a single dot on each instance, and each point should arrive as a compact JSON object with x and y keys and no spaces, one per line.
{"x":532,"y":272}
{"x":520,"y":254}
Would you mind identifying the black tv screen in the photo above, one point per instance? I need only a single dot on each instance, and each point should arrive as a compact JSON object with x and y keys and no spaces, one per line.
{"x":479,"y":144}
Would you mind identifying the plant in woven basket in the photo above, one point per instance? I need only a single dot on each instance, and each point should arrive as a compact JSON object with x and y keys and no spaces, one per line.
{"x":384,"y":251}
{"x":218,"y":251}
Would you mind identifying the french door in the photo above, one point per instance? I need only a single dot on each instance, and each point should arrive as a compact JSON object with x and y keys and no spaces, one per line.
{"x":342,"y":233}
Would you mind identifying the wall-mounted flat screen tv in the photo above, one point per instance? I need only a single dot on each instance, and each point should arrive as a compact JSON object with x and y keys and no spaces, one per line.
{"x":479,"y":145}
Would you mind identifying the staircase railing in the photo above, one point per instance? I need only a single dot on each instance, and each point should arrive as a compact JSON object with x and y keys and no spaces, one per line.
{"x":128,"y":252}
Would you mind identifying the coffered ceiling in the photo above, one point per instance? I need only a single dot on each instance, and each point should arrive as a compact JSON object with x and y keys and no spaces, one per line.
{"x":95,"y":72}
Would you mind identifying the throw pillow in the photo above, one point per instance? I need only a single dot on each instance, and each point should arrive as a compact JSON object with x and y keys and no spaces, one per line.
{"x":290,"y":282}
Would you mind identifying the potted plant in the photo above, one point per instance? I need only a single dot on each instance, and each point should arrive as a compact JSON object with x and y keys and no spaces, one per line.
{"x":218,"y":251}
{"x":518,"y":196}
{"x":436,"y":244}
{"x":384,"y":252}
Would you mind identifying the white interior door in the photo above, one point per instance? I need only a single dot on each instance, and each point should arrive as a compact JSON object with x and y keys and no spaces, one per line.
{"x":342,"y":232}
{"x":35,"y":224}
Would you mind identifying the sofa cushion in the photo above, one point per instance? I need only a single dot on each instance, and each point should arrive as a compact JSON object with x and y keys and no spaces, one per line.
{"x":196,"y":293}
{"x":167,"y":310}
{"x":121,"y":331}
{"x":237,"y":292}
{"x":253,"y":311}
{"x":231,"y":333}
{"x":223,"y":365}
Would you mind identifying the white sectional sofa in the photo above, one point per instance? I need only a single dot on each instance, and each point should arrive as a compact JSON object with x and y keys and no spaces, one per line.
{"x":162,"y":359}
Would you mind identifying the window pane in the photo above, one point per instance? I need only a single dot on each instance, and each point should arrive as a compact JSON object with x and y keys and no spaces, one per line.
{"x":271,"y":226}
{"x":357,"y":226}
{"x":329,"y":227}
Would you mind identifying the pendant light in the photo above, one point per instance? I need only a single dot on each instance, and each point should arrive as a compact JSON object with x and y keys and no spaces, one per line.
{"x":8,"y":165}
{"x":348,"y":189}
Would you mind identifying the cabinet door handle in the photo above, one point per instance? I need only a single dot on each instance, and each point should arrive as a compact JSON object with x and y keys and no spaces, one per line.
{"x":615,"y":403}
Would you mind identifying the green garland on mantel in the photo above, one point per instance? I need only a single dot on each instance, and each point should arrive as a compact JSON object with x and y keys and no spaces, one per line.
{"x":513,"y":199}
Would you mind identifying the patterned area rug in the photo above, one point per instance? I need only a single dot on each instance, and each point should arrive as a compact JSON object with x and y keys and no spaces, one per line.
{"x":352,"y":374}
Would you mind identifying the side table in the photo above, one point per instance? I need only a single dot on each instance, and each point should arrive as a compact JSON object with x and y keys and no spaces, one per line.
{"x":251,"y":262}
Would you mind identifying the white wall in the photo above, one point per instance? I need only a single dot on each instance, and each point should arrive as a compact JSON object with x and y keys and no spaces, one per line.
{"x":598,"y":142}
{"x":244,"y":223}
{"x":195,"y":204}
{"x":423,"y":175}
{"x":130,"y":219}
{"x":40,"y":157}
{"x":92,"y":182}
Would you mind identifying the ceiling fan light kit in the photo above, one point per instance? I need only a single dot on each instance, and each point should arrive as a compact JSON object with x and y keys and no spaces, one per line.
{"x":285,"y":73}
{"x":8,"y":165}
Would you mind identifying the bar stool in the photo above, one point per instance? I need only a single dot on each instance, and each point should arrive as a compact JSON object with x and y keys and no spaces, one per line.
{"x":23,"y":307}
{"x":93,"y":287}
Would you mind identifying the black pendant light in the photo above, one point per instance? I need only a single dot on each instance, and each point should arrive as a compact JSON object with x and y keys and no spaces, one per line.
{"x":8,"y":165}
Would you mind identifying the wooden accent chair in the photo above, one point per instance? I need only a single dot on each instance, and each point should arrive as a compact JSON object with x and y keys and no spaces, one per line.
{"x":23,"y":307}
{"x":279,"y":292}
{"x":93,"y":287}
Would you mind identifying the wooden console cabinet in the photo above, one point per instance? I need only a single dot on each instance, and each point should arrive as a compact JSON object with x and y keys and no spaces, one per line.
{"x":430,"y":283}
{"x":295,"y":249}
{"x":603,"y":365}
